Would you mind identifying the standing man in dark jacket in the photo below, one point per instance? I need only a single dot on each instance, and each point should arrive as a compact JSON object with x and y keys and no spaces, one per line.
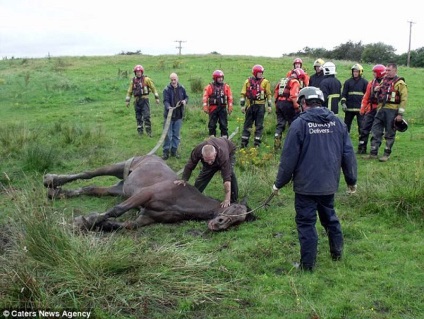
{"x":175,"y":98}
{"x":316,"y":78}
{"x":331,"y":87}
{"x":353,"y":92}
{"x":316,"y":149}
{"x":216,"y":154}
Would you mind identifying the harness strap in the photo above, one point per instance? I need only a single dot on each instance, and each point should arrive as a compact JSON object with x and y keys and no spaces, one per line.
{"x":127,"y":167}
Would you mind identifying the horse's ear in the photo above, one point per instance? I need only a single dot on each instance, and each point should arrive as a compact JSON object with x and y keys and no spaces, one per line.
{"x":244,"y":201}
{"x":249,"y":217}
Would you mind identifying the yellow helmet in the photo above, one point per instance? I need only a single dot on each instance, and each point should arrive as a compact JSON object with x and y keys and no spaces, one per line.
{"x":359,"y":68}
{"x":319,"y":62}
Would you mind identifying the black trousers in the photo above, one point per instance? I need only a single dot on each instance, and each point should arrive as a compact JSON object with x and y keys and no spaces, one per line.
{"x":306,"y":207}
{"x":142,"y":115}
{"x":218,"y":116}
{"x":206,"y":174}
{"x":254,"y":115}
{"x":349,"y":117}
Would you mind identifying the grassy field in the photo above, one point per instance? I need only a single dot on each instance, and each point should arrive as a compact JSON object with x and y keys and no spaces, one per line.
{"x":68,"y":114}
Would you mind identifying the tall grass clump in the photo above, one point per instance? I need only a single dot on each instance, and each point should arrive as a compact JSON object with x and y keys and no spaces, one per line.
{"x":196,"y":85}
{"x":14,"y":137}
{"x":38,"y":158}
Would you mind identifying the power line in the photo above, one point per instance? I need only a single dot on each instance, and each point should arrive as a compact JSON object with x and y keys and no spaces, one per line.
{"x":179,"y":47}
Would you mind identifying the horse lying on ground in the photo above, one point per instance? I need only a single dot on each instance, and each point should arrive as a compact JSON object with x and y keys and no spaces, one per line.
{"x":147,"y":183}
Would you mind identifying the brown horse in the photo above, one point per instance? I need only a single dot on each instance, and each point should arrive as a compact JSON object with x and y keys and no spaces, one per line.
{"x":147,"y":183}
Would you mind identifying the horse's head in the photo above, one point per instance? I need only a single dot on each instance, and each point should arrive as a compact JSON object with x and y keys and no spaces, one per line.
{"x":230,"y":216}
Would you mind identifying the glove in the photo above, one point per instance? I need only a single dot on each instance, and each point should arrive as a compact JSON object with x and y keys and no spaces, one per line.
{"x":351,"y":189}
{"x":344,"y":107}
{"x":243,"y":109}
{"x":275,"y":189}
{"x":242,"y":102}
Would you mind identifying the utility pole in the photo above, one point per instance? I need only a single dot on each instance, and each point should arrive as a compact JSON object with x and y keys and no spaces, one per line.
{"x":179,"y":47}
{"x":409,"y":47}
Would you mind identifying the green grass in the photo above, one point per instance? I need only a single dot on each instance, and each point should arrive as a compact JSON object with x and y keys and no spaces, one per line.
{"x":64,"y":115}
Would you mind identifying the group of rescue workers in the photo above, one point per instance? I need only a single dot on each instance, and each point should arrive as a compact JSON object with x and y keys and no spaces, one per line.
{"x":358,"y":98}
{"x":317,"y":145}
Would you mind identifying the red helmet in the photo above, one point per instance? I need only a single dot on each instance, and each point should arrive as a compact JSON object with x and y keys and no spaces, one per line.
{"x":256,"y":69}
{"x":380,"y":70}
{"x":300,"y":74}
{"x":217,"y":74}
{"x":139,"y":67}
{"x":298,"y":60}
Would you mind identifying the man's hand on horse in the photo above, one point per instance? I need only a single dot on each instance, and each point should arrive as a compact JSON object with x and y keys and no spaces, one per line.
{"x":180,"y":182}
{"x":226,"y":203}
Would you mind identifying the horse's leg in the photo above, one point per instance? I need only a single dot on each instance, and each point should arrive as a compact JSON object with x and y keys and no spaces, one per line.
{"x":111,"y":225}
{"x":117,"y":170}
{"x":115,"y":190}
{"x":95,"y":220}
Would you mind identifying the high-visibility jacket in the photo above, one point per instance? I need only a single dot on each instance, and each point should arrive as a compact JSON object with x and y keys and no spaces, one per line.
{"x":303,"y":83}
{"x":370,"y":99}
{"x":353,"y":92}
{"x":393,"y":93}
{"x":215,"y":95}
{"x":256,"y":91}
{"x":289,"y":92}
{"x":141,"y":87}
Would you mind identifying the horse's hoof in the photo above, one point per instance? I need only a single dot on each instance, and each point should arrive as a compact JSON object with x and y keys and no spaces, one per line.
{"x":48,"y":180}
{"x":81,"y":223}
{"x":90,"y":222}
{"x":53,"y":193}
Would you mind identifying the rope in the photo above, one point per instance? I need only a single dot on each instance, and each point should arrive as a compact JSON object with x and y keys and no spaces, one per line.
{"x":165,"y":129}
{"x":264,"y":204}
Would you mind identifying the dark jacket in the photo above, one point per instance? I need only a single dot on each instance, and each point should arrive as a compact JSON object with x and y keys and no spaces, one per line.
{"x":171,"y":96}
{"x":316,"y":79}
{"x":316,"y":147}
{"x":353,"y":92}
{"x":224,"y":158}
{"x":331,"y":88}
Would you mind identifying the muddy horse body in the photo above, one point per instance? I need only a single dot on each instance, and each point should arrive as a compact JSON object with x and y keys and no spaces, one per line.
{"x":147,"y":183}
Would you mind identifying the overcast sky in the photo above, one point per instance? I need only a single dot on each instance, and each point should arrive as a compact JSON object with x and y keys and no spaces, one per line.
{"x":38,"y":28}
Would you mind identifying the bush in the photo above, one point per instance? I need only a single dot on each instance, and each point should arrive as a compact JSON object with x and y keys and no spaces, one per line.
{"x":196,"y":85}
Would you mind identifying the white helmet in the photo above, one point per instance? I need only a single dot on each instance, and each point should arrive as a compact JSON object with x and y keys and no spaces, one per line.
{"x":329,"y":68}
{"x":310,"y":93}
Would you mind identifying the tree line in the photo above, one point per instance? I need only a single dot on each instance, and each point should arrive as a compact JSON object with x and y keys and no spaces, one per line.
{"x":374,"y":53}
